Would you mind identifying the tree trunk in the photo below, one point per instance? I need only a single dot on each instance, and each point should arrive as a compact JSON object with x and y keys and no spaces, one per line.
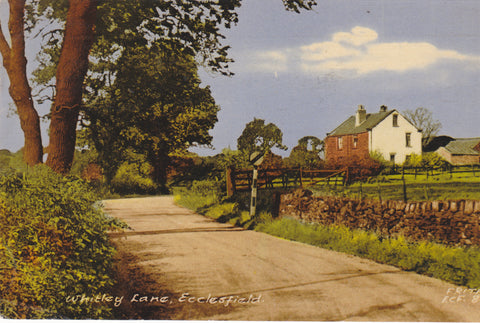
{"x":160,"y":164}
{"x":15,"y":64}
{"x":71,"y":70}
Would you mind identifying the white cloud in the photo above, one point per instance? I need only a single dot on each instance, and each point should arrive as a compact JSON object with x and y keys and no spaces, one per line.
{"x":327,"y":50}
{"x":268,"y":61}
{"x":358,"y":36}
{"x":358,"y":51}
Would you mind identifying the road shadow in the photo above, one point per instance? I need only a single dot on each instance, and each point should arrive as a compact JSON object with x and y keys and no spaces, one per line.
{"x":134,"y":282}
{"x":170,"y":231}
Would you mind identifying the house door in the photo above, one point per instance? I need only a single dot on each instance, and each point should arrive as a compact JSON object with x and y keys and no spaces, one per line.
{"x":392,"y":158}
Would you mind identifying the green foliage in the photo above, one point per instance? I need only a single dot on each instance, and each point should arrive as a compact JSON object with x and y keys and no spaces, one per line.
{"x":81,"y":159}
{"x":205,"y":197}
{"x":460,"y":266}
{"x":259,"y":136}
{"x":306,"y":154}
{"x":413,"y":160}
{"x":12,"y":160}
{"x":199,"y":195}
{"x":222,"y":211}
{"x":231,"y":158}
{"x":165,"y":110}
{"x":433,"y":160}
{"x":194,"y":24}
{"x":53,"y":244}
{"x":5,"y":157}
{"x":133,"y":178}
{"x":378,"y":157}
{"x":427,"y":160}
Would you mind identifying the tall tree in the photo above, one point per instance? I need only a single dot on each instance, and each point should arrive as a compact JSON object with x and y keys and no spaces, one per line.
{"x":71,"y":70}
{"x":155,"y":105}
{"x":422,"y":118}
{"x":257,"y":136}
{"x":194,"y":23}
{"x":15,"y":64}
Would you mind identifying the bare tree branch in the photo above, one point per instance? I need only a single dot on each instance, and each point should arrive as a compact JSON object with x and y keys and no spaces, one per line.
{"x":422,"y":118}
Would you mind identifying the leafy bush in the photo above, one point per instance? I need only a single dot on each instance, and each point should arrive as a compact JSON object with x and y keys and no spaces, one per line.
{"x":433,"y":160}
{"x":457,"y":265}
{"x":206,"y":197}
{"x":53,"y":245}
{"x":222,"y":211}
{"x":199,"y":194}
{"x":427,"y":160}
{"x":134,"y":179}
{"x":413,"y":160}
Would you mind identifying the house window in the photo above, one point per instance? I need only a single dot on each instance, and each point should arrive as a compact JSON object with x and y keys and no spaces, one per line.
{"x":392,"y":158}
{"x":408,"y":139}
{"x":340,"y":143}
{"x":395,"y":120}
{"x":355,"y":142}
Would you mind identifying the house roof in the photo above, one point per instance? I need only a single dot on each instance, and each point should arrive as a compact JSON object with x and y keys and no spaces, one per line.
{"x":437,"y":142}
{"x":348,"y":126}
{"x":463,"y":146}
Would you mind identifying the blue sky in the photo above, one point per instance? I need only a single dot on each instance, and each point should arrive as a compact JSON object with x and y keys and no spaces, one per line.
{"x":308,"y":72}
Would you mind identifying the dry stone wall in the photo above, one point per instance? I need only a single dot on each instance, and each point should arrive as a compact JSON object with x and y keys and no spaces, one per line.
{"x":450,"y":222}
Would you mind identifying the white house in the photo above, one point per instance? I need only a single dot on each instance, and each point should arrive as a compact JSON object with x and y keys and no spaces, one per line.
{"x":387,"y":132}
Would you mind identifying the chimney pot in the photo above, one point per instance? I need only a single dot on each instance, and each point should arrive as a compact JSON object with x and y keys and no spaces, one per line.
{"x":360,"y":116}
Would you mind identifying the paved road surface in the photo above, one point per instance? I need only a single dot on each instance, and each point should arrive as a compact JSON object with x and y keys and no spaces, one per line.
{"x":233,"y":274}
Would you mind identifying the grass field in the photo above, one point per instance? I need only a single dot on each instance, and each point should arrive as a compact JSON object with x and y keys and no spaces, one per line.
{"x":439,"y":186}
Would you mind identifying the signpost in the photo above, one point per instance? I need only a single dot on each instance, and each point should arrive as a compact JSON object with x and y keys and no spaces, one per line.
{"x":256,"y":159}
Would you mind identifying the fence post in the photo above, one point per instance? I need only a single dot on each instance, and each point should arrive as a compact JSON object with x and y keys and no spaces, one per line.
{"x":404,"y":191}
{"x":253,"y":201}
{"x":379,"y":191}
{"x":301,"y":181}
{"x":230,"y":178}
{"x":425,"y":192}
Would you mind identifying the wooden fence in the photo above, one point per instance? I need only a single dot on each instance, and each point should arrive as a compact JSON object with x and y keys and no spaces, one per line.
{"x":427,"y":172}
{"x":241,"y":180}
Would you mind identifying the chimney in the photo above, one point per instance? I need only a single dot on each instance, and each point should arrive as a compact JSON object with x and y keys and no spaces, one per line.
{"x":361,"y":115}
{"x":383,"y":108}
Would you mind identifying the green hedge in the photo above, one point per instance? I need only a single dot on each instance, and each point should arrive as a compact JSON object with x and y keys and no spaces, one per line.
{"x":53,"y":245}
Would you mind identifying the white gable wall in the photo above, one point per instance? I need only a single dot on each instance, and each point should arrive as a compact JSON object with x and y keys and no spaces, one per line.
{"x":388,"y":139}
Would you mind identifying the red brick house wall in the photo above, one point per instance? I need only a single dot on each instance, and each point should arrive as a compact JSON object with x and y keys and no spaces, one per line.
{"x":335,"y":155}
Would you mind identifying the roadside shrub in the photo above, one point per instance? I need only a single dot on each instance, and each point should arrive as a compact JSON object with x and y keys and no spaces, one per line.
{"x":199,"y":195}
{"x":222,"y":211}
{"x":53,"y":245}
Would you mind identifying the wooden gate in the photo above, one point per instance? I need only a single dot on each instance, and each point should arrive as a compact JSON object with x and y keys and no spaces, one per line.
{"x":241,"y":180}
